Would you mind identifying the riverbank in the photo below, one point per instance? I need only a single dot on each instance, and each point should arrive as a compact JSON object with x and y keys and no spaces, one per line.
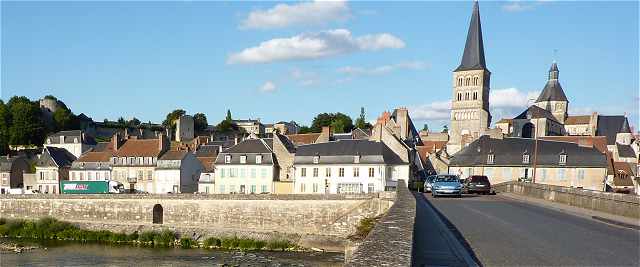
{"x":52,"y":229}
{"x":15,"y":247}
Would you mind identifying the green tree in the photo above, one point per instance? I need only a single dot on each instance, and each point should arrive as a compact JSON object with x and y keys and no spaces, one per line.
{"x":304,"y":130}
{"x":445,"y":129}
{"x":169,"y":121}
{"x":200,"y":122}
{"x":361,"y":121}
{"x":27,"y":127}
{"x":63,"y":119}
{"x":5,"y":123}
{"x":340,"y":123}
{"x":228,"y":117}
{"x":425,"y":127}
{"x":134,"y":122}
{"x":122,"y":123}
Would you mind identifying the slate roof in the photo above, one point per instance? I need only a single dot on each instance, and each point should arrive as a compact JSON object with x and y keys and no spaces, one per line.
{"x":249,"y":148}
{"x":552,"y":90}
{"x":625,"y":151}
{"x":610,"y":126}
{"x":473,"y":56}
{"x":207,"y":151}
{"x":174,"y":155}
{"x":69,"y":137}
{"x":303,"y":139}
{"x":287,"y":143}
{"x":59,"y":156}
{"x":535,"y":112}
{"x":6,"y":164}
{"x":343,"y":152}
{"x":599,"y":142}
{"x":509,"y":150}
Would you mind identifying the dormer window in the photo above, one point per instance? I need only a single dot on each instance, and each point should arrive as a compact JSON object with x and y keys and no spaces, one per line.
{"x":75,"y":140}
{"x":563,"y":159}
{"x":243,"y":159}
{"x":259,"y":159}
{"x":227,"y":159}
{"x":316,"y":159}
{"x":525,"y":158}
{"x":490,"y":158}
{"x":356,"y":159}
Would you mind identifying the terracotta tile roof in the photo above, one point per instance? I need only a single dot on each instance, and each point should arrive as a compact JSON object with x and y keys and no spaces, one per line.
{"x":95,"y":157}
{"x":174,"y":155}
{"x":207,"y":163}
{"x":572,"y":120}
{"x":599,"y":142}
{"x":423,"y":152}
{"x":139,"y":148}
{"x":303,"y":139}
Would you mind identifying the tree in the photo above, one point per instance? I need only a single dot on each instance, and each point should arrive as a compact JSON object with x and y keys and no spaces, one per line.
{"x":425,"y":127}
{"x":169,"y":121}
{"x":445,"y":129}
{"x":340,"y":123}
{"x":134,"y":122}
{"x":304,"y":130}
{"x":5,"y":122}
{"x":122,"y":123}
{"x":228,"y":117}
{"x":361,"y":121}
{"x":27,"y":127}
{"x":200,"y":122}
{"x":63,"y":119}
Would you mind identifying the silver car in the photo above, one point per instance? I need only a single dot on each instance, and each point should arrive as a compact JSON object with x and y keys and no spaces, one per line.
{"x":428,"y":183}
{"x":446,"y":185}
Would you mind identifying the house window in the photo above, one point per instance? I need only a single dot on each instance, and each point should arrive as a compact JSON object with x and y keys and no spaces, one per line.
{"x":89,"y":176}
{"x":263,"y":189}
{"x":302,"y":188}
{"x":580,"y":174}
{"x":327,"y":172}
{"x":140,"y":160}
{"x":132,"y":160}
{"x":466,"y":96}
{"x":263,"y":173}
{"x":253,"y":173}
{"x":356,"y":172}
{"x":253,"y":189}
{"x":243,"y":159}
{"x":315,"y":187}
{"x":490,"y":158}
{"x":243,"y":172}
{"x":475,"y":95}
{"x":341,"y":172}
{"x":149,"y":175}
{"x":73,"y":176}
{"x":563,"y":159}
{"x":303,"y":172}
{"x":259,"y":159}
{"x":315,"y":172}
{"x":370,"y":188}
{"x":222,"y":172}
{"x":561,"y":174}
{"x":140,"y":175}
{"x":525,"y":159}
{"x":81,"y":176}
{"x":316,"y":159}
{"x":227,"y":159}
{"x":459,"y":96}
{"x":371,"y":172}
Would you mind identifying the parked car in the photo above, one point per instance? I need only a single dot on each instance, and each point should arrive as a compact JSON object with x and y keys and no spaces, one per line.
{"x":478,"y":184}
{"x":428,"y":183}
{"x":446,"y":185}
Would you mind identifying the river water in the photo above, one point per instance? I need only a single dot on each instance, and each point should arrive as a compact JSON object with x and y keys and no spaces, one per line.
{"x":75,"y":254}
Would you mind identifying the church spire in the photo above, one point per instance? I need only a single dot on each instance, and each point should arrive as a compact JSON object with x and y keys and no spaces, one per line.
{"x":473,"y":57}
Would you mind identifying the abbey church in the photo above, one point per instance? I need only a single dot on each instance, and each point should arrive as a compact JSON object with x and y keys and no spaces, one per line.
{"x":587,"y":151}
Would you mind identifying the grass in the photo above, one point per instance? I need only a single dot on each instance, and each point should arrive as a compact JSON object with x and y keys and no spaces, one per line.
{"x":363,"y":228}
{"x":51,"y":229}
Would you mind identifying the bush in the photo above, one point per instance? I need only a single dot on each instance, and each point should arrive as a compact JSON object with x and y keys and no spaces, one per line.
{"x":230,"y":242}
{"x":187,"y":242}
{"x":133,"y":236}
{"x":279,"y":244}
{"x":165,"y":238}
{"x":212,"y":242}
{"x":364,"y":227}
{"x":147,"y":236}
{"x":3,"y":221}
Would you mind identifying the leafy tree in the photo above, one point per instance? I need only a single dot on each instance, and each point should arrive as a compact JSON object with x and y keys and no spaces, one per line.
{"x":445,"y":129}
{"x":27,"y":127}
{"x":361,"y":121}
{"x":5,"y":122}
{"x":63,"y":119}
{"x":134,"y":122}
{"x":425,"y":127}
{"x":339,"y":122}
{"x":226,"y":125}
{"x":172,"y":116}
{"x":200,"y":122}
{"x":122,"y":123}
{"x":304,"y":130}
{"x":228,"y":117}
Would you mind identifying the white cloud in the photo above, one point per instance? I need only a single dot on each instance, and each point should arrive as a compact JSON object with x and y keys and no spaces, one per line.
{"x":314,"y":45}
{"x":511,"y":98}
{"x":305,"y":78}
{"x":305,"y":13}
{"x":520,"y":6}
{"x":384,"y":69}
{"x":433,"y":111}
{"x":268,"y":87}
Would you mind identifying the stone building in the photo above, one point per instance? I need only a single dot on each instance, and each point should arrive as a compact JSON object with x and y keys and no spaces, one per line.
{"x":347,"y":166}
{"x":511,"y":159}
{"x":94,"y":165}
{"x":74,"y":141}
{"x":184,"y":128}
{"x":207,"y":154}
{"x":246,"y":168}
{"x":177,"y":172}
{"x":250,"y":126}
{"x":133,"y":163}
{"x":470,"y":116}
{"x":52,"y":166}
{"x":12,"y":171}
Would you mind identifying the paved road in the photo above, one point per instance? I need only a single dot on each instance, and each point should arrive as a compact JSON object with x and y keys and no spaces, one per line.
{"x":505,"y":232}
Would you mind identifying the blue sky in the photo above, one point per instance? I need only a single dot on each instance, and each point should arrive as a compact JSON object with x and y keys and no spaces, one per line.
{"x":290,"y":61}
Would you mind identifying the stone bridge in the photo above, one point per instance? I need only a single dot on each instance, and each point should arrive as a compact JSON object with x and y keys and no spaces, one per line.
{"x":524,"y":224}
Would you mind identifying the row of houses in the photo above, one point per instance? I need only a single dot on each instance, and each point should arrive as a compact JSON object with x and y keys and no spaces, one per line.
{"x":363,"y":161}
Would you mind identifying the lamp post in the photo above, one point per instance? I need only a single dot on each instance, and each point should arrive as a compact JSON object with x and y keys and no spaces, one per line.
{"x":535,"y":149}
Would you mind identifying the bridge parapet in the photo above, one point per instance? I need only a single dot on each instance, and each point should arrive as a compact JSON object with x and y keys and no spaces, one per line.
{"x":390,"y":243}
{"x":608,"y":202}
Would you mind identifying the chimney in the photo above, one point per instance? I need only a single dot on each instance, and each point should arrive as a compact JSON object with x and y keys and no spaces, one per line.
{"x":115,"y":140}
{"x":402,"y":118}
{"x":126,"y":133}
{"x":593,"y":123}
{"x":220,"y":149}
{"x":235,"y":140}
{"x":162,"y":143}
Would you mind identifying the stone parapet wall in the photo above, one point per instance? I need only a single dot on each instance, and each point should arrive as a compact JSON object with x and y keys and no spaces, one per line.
{"x":333,"y":217}
{"x":612,"y":203}
{"x":390,"y":243}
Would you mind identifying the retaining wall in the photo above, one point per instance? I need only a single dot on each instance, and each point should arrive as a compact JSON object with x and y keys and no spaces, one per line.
{"x":612,"y":203}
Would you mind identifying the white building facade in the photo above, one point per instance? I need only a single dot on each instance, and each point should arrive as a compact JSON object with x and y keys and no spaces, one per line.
{"x":246,"y":168}
{"x":177,"y":172}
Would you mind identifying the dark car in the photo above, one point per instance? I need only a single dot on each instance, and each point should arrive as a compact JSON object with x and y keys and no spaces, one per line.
{"x":478,"y":184}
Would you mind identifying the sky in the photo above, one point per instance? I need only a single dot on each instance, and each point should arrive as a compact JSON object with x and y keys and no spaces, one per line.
{"x":292,"y":60}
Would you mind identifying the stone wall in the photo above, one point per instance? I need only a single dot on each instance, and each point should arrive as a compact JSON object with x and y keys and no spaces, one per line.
{"x":390,"y":243}
{"x":612,"y":203}
{"x":311,"y":218}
